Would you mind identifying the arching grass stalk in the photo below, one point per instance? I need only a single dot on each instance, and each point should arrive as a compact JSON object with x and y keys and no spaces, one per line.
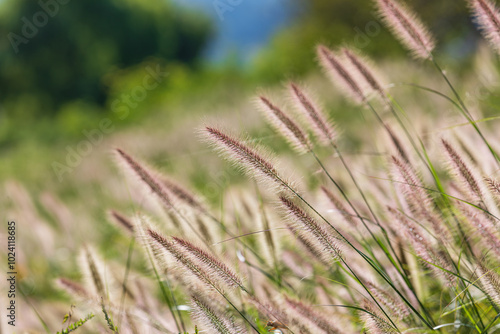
{"x":257,"y":166}
{"x":431,"y":168}
{"x":207,"y":269}
{"x":341,"y":75}
{"x":463,"y":109}
{"x":325,"y":133}
{"x":164,"y":192}
{"x":384,"y":249}
{"x":125,"y":279}
{"x":269,"y":237}
{"x":164,"y":292}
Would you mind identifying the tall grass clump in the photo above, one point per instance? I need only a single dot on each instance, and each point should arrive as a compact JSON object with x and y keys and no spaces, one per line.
{"x":403,"y":241}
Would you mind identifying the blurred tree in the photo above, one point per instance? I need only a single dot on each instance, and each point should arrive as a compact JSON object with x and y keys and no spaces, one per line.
{"x":356,"y":23}
{"x":56,"y":51}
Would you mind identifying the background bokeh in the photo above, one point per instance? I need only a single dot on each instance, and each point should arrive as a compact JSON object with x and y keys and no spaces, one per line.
{"x":65,"y":60}
{"x":78,"y":78}
{"x":64,"y":63}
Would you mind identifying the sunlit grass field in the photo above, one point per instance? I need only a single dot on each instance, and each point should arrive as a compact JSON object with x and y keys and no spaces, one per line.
{"x":362,"y":198}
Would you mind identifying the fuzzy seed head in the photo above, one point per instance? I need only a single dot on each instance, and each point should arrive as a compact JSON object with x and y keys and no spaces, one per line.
{"x":181,"y":256}
{"x":461,"y":169}
{"x":365,"y":72}
{"x":335,"y":67}
{"x":424,"y":249}
{"x":122,"y":221}
{"x":215,"y":268}
{"x":490,"y":280}
{"x":494,"y":187}
{"x":147,"y":177}
{"x":407,"y":27}
{"x":213,"y":320}
{"x":284,"y":125}
{"x":393,"y":304}
{"x":183,"y":195}
{"x":93,"y":269}
{"x":314,"y":316}
{"x":304,"y":222}
{"x":73,"y":288}
{"x":487,"y":16}
{"x":249,"y":159}
{"x":375,"y":321}
{"x":315,"y":117}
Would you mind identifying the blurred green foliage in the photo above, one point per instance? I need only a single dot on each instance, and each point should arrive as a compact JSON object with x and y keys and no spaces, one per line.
{"x":57,"y":51}
{"x":357,"y":24}
{"x":91,"y":59}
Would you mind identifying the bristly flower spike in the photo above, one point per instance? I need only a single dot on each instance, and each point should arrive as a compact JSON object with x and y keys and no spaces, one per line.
{"x":315,"y":117}
{"x":308,"y":224}
{"x":407,"y":27}
{"x":213,"y":320}
{"x":365,"y":72}
{"x":248,"y":158}
{"x":147,"y":177}
{"x":339,"y":75}
{"x":487,"y":16}
{"x":284,"y":125}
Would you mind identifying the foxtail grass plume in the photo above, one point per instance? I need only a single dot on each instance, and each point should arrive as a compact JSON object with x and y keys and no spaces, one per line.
{"x":92,"y":268}
{"x":204,"y":228}
{"x":416,"y":197}
{"x":184,"y":195}
{"x":395,"y":306}
{"x":461,"y":170}
{"x":216,"y":268}
{"x":284,"y":125}
{"x":432,"y":258}
{"x":483,"y":226}
{"x":487,"y":16}
{"x":153,"y":252}
{"x":200,"y":263}
{"x":123,"y":222}
{"x":306,"y":223}
{"x":376,"y":322}
{"x":315,"y":117}
{"x":335,"y":67}
{"x":407,"y":27}
{"x":147,"y":177}
{"x":73,"y":288}
{"x":310,"y":246}
{"x":396,"y":141}
{"x":410,"y":185}
{"x":249,"y":159}
{"x":494,"y":187}
{"x":213,"y":320}
{"x":490,"y":281}
{"x":169,"y":247}
{"x":365,"y":72}
{"x":314,"y":316}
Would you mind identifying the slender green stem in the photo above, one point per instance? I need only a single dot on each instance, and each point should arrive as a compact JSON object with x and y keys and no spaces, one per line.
{"x":373,"y":236}
{"x":38,"y":315}
{"x":163,"y":291}
{"x":367,"y":259}
{"x":364,"y":256}
{"x":125,"y":278}
{"x":464,"y":110}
